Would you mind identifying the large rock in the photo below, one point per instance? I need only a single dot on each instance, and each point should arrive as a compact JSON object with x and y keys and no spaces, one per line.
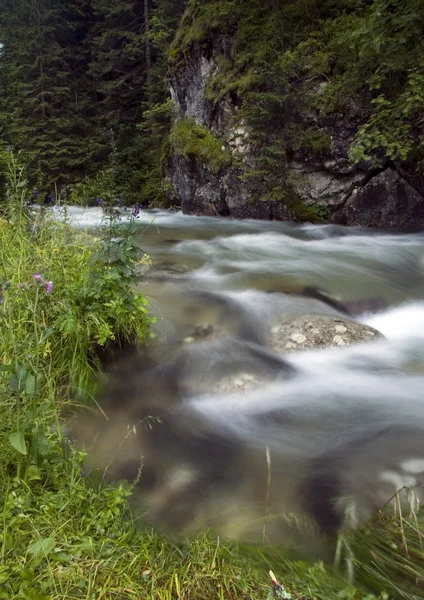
{"x":319,"y":331}
{"x":387,"y":200}
{"x":303,"y":333}
{"x":318,"y":185}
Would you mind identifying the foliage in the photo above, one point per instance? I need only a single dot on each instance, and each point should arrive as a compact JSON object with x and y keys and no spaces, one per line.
{"x":92,"y":300}
{"x":196,"y":142}
{"x":70,"y":73}
{"x":47,"y":98}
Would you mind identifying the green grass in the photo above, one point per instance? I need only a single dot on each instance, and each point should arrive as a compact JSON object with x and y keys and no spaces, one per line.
{"x":61,"y":538}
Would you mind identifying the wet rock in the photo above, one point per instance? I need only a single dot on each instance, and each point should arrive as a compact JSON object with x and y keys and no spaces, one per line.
{"x":165,"y":272}
{"x":238,"y":384}
{"x":367,"y":305}
{"x":318,"y":331}
{"x":304,"y":332}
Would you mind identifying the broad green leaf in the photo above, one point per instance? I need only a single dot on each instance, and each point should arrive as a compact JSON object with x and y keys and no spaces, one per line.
{"x":42,"y":548}
{"x":30,"y":384}
{"x":17,"y":440}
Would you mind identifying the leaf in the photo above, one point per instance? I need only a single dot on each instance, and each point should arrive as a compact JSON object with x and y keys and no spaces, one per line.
{"x":17,"y":440}
{"x":30,"y":593}
{"x":33,"y":473}
{"x":41,"y":442}
{"x":30,"y":384}
{"x":47,"y":333}
{"x":42,"y":548}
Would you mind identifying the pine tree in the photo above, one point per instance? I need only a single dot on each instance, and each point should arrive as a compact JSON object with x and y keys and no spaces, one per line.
{"x":50,"y":103}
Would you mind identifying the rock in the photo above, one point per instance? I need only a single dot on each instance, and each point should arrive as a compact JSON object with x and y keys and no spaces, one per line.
{"x":203,"y":331}
{"x":302,"y":333}
{"x":312,"y":185}
{"x":386,"y":200}
{"x":318,"y":331}
{"x":241,"y":383}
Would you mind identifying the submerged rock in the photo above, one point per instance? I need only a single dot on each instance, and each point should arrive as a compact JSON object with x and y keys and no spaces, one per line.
{"x":319,"y":331}
{"x":301,"y":333}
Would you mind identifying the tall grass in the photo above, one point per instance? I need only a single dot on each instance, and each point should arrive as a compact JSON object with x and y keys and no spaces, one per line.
{"x":61,"y":296}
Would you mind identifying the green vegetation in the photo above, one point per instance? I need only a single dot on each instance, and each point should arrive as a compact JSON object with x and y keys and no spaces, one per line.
{"x":83,"y":90}
{"x":77,"y":81}
{"x":290,"y":65}
{"x":196,"y":142}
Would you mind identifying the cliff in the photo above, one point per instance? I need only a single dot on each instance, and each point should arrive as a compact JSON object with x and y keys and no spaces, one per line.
{"x":276,"y":128}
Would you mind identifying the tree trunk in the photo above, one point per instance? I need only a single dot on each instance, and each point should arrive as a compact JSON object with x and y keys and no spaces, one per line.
{"x":147,"y":30}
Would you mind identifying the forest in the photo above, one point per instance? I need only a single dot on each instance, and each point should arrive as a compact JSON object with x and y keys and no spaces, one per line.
{"x":85,"y":87}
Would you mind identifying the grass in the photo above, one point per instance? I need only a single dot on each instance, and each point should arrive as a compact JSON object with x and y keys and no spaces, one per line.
{"x":61,"y":538}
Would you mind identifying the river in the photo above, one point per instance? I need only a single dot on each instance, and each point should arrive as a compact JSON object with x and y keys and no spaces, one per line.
{"x":341,"y":399}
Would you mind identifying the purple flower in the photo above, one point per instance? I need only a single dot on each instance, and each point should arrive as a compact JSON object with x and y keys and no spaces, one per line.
{"x":38,"y":277}
{"x":49,"y":287}
{"x":136,"y":211}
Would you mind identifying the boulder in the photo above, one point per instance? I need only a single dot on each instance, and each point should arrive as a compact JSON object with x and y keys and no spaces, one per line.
{"x":319,"y":331}
{"x":301,"y":333}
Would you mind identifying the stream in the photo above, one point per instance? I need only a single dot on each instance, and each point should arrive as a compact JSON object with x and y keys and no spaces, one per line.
{"x":333,"y":436}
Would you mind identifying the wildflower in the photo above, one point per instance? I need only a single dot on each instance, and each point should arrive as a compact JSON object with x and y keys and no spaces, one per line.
{"x":38,"y":277}
{"x":49,"y":287}
{"x":35,"y":192}
{"x":136,"y":211}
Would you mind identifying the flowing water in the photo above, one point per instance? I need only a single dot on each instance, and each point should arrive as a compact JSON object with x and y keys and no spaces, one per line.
{"x":338,"y":423}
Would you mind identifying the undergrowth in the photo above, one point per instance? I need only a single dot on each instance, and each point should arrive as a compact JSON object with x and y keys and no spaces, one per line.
{"x":62,"y":294}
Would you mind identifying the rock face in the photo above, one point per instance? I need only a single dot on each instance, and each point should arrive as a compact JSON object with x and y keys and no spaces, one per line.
{"x":320,"y":185}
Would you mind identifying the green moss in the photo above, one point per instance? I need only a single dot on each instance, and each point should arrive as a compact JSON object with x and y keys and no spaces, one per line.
{"x":196,"y":142}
